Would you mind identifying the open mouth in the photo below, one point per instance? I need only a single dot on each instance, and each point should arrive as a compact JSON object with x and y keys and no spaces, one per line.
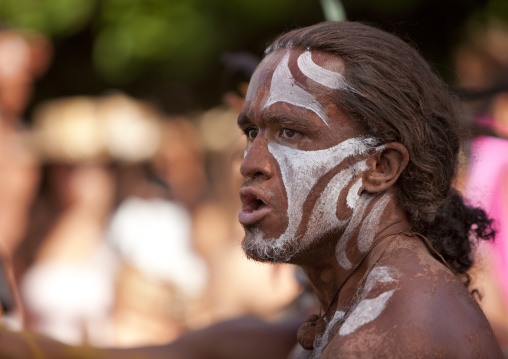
{"x":253,"y":203}
{"x":253,"y":209}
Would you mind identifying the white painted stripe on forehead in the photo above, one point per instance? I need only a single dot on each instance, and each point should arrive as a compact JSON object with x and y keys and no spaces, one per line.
{"x":284,"y":88}
{"x":330,"y":79}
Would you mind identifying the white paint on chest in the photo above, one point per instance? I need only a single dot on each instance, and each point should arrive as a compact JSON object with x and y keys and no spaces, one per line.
{"x":284,"y":88}
{"x":322,"y":341}
{"x":330,"y":79}
{"x":365,"y":312}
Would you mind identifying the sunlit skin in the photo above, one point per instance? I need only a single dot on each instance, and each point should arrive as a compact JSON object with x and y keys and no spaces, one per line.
{"x":407,"y":303}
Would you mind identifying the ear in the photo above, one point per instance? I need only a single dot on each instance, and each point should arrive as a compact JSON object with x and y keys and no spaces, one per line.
{"x":385,"y":167}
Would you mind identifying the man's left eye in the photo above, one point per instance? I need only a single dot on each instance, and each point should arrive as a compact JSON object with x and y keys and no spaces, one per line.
{"x":289,"y":133}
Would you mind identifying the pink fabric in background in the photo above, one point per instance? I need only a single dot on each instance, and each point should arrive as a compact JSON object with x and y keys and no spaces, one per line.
{"x":487,"y":186}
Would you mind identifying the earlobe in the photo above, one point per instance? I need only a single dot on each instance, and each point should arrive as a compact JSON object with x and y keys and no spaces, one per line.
{"x":385,"y":167}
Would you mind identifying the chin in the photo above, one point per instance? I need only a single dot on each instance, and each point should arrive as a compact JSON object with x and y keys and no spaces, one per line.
{"x":271,"y":250}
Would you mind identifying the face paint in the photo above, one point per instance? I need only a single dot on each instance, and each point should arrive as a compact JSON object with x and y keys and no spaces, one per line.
{"x":371,"y":222}
{"x":284,"y":88}
{"x":353,"y":196}
{"x":300,"y":171}
{"x":356,"y":220}
{"x":330,"y":79}
{"x":323,"y":216}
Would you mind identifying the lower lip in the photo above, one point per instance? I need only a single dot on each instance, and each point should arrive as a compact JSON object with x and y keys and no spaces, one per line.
{"x":248,"y":217}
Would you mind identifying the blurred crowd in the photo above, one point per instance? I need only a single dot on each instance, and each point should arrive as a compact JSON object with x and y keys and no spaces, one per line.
{"x":118,"y":223}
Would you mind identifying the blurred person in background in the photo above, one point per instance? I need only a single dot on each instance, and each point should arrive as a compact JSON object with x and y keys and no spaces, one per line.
{"x":109,"y":251}
{"x":161,"y":283}
{"x":24,"y":56}
{"x":482,"y":67}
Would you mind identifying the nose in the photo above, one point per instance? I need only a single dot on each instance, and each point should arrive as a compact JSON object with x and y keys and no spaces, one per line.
{"x":258,"y":162}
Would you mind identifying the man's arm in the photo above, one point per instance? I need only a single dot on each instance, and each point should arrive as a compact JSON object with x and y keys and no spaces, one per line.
{"x":246,"y":338}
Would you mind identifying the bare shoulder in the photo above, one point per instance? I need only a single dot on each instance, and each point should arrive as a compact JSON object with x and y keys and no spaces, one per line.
{"x":411,"y":306}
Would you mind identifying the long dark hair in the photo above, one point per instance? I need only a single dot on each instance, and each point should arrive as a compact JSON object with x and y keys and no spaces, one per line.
{"x":398,"y":98}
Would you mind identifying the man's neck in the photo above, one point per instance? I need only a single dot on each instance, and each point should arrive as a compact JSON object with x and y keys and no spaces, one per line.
{"x":327,"y":272}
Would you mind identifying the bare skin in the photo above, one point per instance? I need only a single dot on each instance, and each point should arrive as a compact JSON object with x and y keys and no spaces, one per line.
{"x":390,"y":297}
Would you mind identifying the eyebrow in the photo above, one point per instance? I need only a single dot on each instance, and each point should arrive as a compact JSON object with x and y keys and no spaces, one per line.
{"x":243,"y":120}
{"x":300,"y":123}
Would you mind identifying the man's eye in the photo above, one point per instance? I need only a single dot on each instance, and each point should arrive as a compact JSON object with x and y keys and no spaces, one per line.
{"x":288,"y":133}
{"x":251,"y":133}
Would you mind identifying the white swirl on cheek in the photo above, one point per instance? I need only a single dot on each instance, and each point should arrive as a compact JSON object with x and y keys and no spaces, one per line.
{"x":300,"y":171}
{"x":327,"y":78}
{"x":324,"y":215}
{"x":285,"y":89}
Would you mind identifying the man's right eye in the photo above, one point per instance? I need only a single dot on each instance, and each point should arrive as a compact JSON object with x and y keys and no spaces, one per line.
{"x":251,"y":133}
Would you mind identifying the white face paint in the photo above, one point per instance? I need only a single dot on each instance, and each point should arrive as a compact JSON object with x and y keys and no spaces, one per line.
{"x":356,"y":220}
{"x":330,"y":79}
{"x":371,"y":223}
{"x":284,"y":88}
{"x":353,"y":195}
{"x":300,"y":171}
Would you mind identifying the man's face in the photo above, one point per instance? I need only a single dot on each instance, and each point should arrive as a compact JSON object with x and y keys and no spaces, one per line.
{"x":303,"y":158}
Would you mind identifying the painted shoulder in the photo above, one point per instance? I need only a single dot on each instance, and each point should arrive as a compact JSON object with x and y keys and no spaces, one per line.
{"x":412,"y":306}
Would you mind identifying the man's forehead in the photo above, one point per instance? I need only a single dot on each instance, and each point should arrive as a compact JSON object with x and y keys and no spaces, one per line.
{"x":297,"y":58}
{"x":297,"y":77}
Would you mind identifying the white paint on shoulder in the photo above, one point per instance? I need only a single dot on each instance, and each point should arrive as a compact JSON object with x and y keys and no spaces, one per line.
{"x":330,"y":79}
{"x":381,"y":274}
{"x":365,"y":312}
{"x":284,"y":88}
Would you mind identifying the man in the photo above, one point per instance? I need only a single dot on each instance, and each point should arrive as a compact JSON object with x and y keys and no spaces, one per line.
{"x":352,"y":147}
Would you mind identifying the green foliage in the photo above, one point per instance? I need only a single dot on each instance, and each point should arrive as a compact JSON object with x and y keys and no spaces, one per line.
{"x":132,"y":35}
{"x":51,"y":17}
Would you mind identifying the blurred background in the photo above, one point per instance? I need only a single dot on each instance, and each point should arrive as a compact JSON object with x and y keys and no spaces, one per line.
{"x":119,"y":156}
